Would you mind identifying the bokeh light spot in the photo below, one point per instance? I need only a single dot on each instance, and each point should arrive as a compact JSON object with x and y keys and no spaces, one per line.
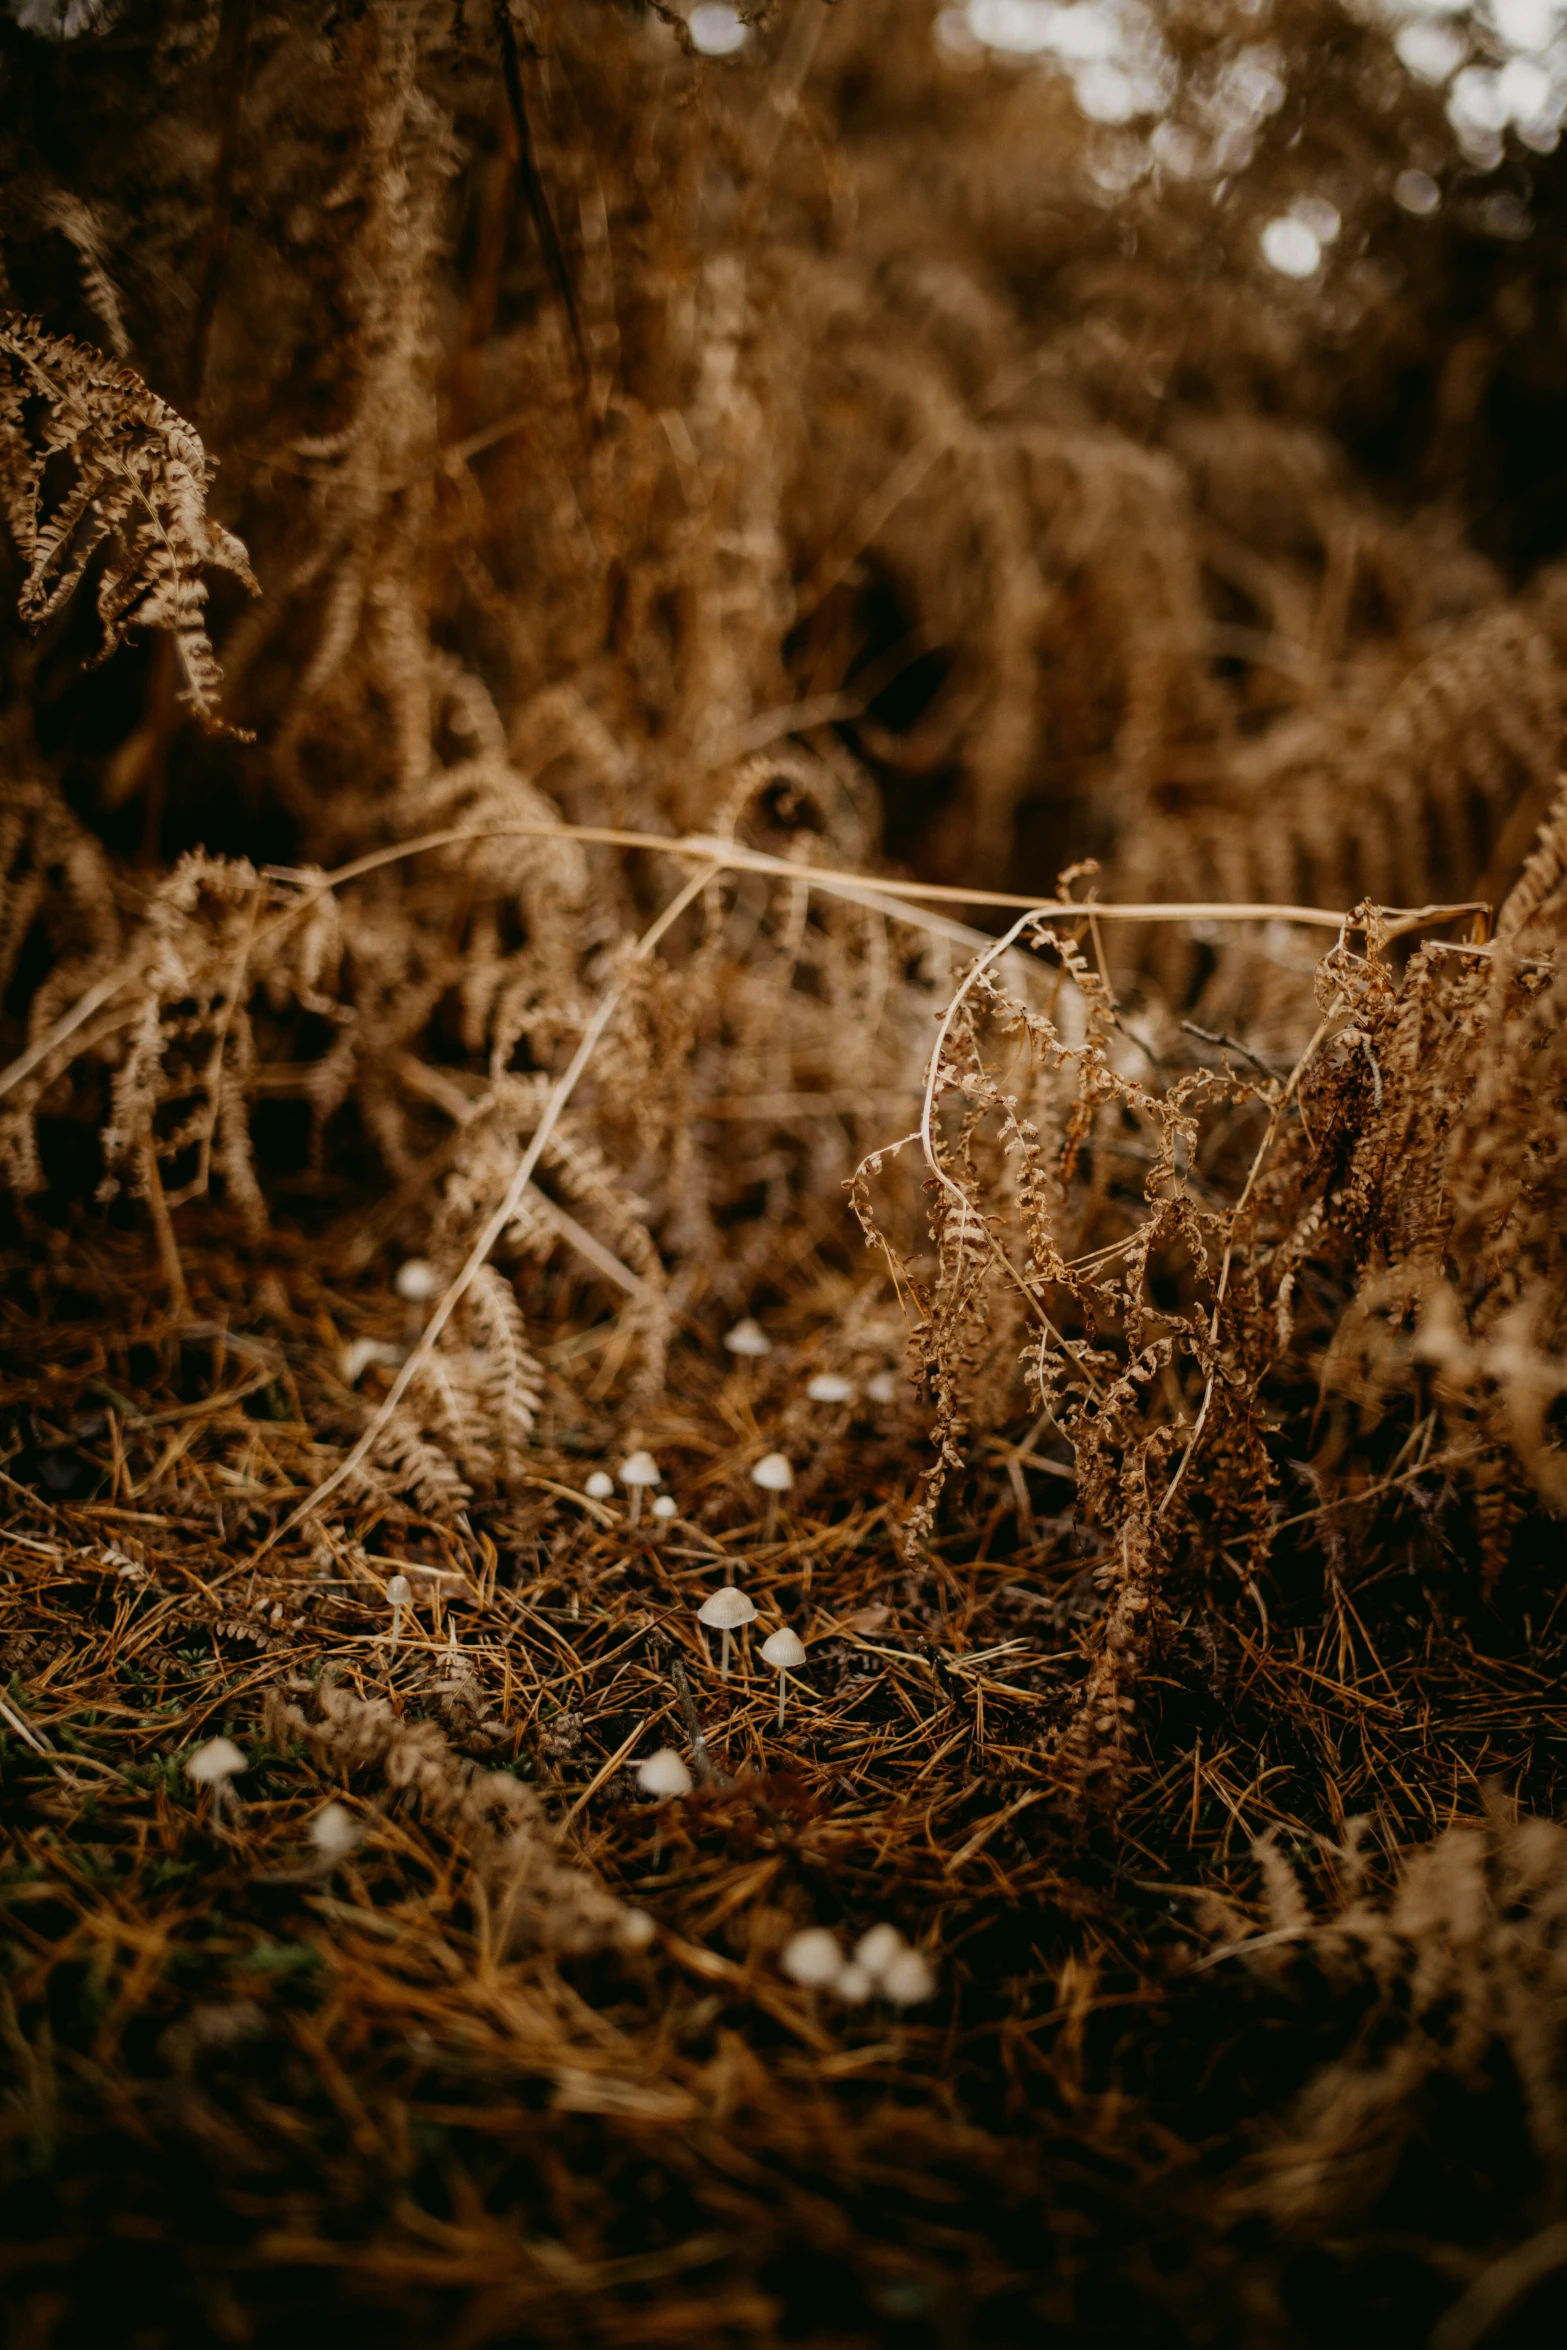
{"x":1289,"y":247}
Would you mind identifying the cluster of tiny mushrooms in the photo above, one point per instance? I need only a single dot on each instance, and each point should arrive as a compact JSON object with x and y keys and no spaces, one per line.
{"x":882,"y":1963}
{"x":725,"y":1612}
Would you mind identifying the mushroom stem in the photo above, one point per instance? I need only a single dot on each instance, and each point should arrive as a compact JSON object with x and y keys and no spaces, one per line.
{"x":636,"y":1503}
{"x":770,"y":1518}
{"x":785,"y":1652}
{"x":398,"y":1594}
{"x":723,"y":1668}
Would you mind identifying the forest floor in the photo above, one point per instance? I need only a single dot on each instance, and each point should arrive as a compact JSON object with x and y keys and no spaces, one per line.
{"x":508,"y":2053}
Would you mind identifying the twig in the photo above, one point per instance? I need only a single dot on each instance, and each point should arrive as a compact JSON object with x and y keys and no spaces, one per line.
{"x":1469,"y":946}
{"x":1231,"y":1044}
{"x":870,"y":888}
{"x":67,"y":1024}
{"x":706,"y":1769}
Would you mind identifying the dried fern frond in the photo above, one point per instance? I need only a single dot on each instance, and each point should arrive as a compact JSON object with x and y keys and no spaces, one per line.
{"x":1466,"y":1954}
{"x":136,"y":497}
{"x":538,"y":1900}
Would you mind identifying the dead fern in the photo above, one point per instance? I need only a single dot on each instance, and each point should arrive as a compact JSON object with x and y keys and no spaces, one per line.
{"x":135,"y":495}
{"x":537,"y":1900}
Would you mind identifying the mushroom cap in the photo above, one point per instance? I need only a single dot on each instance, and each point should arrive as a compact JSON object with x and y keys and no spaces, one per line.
{"x":640,"y":1469}
{"x":635,"y":1929}
{"x":665,"y":1506}
{"x":219,"y":1759}
{"x":599,"y":1486}
{"x":909,"y":1980}
{"x":854,"y":1984}
{"x":785,"y":1651}
{"x":876,"y":1950}
{"x":882,"y":1386}
{"x":335,"y":1832}
{"x":813,"y":1958}
{"x":417,"y":1281}
{"x":399,"y":1591}
{"x":830,"y":1387}
{"x":726,"y":1610}
{"x":663,"y":1774}
{"x":773,"y":1473}
{"x":748,"y":1338}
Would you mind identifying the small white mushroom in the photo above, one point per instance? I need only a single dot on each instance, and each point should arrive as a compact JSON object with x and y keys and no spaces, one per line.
{"x":876,"y":1950}
{"x":909,"y":1980}
{"x":774,"y":1475}
{"x":399,"y":1593}
{"x":748,"y":1338}
{"x":599,"y":1486}
{"x":335,"y":1833}
{"x":785,"y":1652}
{"x":216,"y":1762}
{"x":882,"y":1386}
{"x":812,"y":1958}
{"x":830,"y":1387}
{"x":725,"y":1611}
{"x":215,"y":1765}
{"x":854,"y":1985}
{"x":416,"y":1281}
{"x":637,"y":1474}
{"x":665,"y":1506}
{"x":663,"y":1775}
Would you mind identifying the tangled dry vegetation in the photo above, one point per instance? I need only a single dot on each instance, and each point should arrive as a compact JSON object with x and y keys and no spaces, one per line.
{"x":567,"y":596}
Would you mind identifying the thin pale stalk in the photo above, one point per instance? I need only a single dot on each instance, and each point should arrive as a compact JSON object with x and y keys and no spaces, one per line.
{"x":886,"y":894}
{"x":500,"y":1217}
{"x":66,"y":1026}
